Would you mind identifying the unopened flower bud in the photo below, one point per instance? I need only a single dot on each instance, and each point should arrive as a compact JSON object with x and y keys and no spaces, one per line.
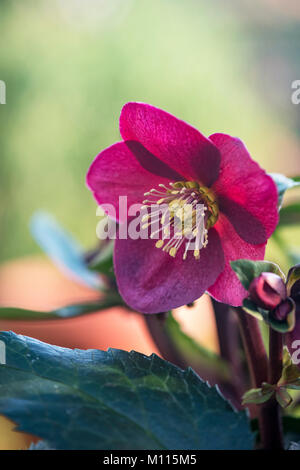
{"x":282,"y":310}
{"x":267,"y":291}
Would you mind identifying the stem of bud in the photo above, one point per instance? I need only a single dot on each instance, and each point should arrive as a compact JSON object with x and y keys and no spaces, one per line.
{"x":271,"y":431}
{"x":261,"y":370}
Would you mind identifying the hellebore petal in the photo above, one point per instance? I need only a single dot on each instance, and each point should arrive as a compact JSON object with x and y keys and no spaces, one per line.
{"x":245,"y":190}
{"x":117,"y":171}
{"x":227,"y":288}
{"x":173,"y":141}
{"x":249,"y":228}
{"x":267,"y":291}
{"x":151,"y":281}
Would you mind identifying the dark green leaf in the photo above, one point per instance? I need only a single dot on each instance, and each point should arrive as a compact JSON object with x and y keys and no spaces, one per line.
{"x":63,"y":249}
{"x":247,"y":270}
{"x":69,"y":311}
{"x":283,"y":184}
{"x":93,"y":399}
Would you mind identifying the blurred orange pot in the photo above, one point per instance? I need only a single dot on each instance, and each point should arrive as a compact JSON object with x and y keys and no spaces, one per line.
{"x":34,"y":283}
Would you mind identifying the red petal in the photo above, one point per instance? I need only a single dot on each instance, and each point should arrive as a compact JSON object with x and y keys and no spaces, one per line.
{"x":248,"y":196}
{"x":121,"y":170}
{"x":173,"y":141}
{"x":151,"y":281}
{"x":227,"y":288}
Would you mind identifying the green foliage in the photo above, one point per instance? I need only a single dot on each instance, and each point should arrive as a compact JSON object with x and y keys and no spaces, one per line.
{"x":251,"y":308}
{"x":69,"y":311}
{"x":75,"y":399}
{"x":103,"y":262}
{"x":196,"y":355}
{"x":247,"y":270}
{"x":283,"y":397}
{"x":258,"y":395}
{"x":290,"y":379}
{"x":293,"y":277}
{"x":63,"y":249}
{"x":290,"y":214}
{"x":283,"y":183}
{"x":282,"y":326}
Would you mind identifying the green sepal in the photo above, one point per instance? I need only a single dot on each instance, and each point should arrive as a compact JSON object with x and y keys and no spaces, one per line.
{"x":283,"y":397}
{"x":282,"y":326}
{"x":290,"y":377}
{"x":247,"y":270}
{"x":293,"y":277}
{"x":250,"y":307}
{"x":259,"y":395}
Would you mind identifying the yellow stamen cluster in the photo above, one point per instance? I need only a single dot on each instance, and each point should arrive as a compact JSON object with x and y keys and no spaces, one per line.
{"x":183,"y":211}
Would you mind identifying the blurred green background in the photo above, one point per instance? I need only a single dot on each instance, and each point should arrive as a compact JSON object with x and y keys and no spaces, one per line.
{"x":70,"y":65}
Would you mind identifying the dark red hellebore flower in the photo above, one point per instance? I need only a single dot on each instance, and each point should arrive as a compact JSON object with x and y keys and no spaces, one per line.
{"x":175,"y":165}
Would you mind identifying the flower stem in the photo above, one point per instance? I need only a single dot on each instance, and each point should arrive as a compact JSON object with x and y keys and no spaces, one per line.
{"x":174,"y":346}
{"x":229,"y":343}
{"x":261,"y":370}
{"x":155,"y":324}
{"x":271,"y":432}
{"x":254,"y":348}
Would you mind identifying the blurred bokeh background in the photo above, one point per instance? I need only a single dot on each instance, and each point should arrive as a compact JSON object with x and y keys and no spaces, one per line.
{"x":70,"y":65}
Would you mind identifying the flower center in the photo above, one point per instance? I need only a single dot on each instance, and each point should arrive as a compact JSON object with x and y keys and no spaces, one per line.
{"x":185,"y":211}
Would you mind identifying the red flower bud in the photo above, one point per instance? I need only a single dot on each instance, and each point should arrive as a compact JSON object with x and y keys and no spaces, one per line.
{"x":267,"y":291}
